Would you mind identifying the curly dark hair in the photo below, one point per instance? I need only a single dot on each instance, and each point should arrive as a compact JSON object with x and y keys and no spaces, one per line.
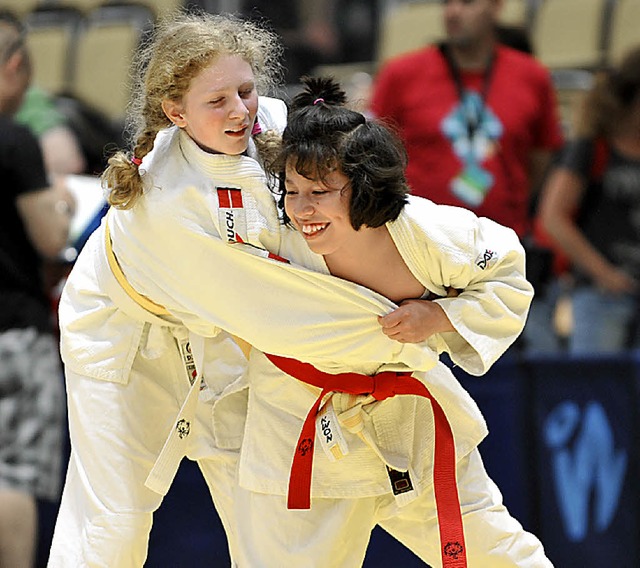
{"x":323,"y":135}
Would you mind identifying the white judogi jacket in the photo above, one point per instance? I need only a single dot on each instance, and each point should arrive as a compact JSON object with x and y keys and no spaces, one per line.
{"x":443,"y":247}
{"x":172,"y":249}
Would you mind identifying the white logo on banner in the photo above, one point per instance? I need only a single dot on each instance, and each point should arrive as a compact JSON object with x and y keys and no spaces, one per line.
{"x":586,"y":467}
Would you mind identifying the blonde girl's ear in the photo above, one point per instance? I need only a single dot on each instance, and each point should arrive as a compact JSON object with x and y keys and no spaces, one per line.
{"x":174,"y":112}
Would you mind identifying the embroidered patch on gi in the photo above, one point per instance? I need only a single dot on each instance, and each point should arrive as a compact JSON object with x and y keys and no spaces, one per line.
{"x":487,"y":259}
{"x":183,"y":427}
{"x":231,"y":214}
{"x":400,"y":481}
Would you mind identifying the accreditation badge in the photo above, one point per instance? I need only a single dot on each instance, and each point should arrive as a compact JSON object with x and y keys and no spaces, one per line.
{"x":231,"y":215}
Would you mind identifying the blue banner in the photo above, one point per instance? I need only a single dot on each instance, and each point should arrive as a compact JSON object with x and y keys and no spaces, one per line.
{"x":587,"y":483}
{"x":502,"y":395}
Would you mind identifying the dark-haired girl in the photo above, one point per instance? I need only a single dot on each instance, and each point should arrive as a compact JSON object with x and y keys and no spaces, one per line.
{"x":457,"y":283}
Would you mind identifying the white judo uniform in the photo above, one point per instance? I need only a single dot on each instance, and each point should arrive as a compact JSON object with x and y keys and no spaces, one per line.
{"x":125,"y":373}
{"x":133,"y":409}
{"x":443,"y":247}
{"x":195,"y":245}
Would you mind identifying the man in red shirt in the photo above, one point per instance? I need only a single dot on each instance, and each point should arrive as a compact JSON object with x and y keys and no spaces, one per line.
{"x":479,"y":119}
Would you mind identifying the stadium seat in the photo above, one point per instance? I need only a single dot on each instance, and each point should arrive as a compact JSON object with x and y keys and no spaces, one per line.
{"x":624,"y":31}
{"x":515,"y":13}
{"x":101,"y":76}
{"x":84,"y":6}
{"x":163,"y":7}
{"x":409,"y":26}
{"x":20,"y":8}
{"x":159,"y":7}
{"x":569,"y":33}
{"x":52,"y":40}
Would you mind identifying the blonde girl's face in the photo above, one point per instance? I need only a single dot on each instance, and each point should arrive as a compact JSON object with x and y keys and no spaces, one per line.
{"x":220,"y":107}
{"x":320,"y":210}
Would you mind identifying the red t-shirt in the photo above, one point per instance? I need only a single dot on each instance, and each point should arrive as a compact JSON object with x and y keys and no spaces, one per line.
{"x":417,"y":94}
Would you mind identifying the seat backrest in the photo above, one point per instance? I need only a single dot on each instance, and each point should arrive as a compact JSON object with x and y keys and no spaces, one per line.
{"x":569,"y":33}
{"x":159,"y":7}
{"x":102,"y":71}
{"x":515,"y":13}
{"x":624,"y":31}
{"x":409,"y":26}
{"x":51,"y":40}
{"x":49,"y":48}
{"x":85,"y":6}
{"x":106,"y":47}
{"x":20,"y":8}
{"x":162,"y":7}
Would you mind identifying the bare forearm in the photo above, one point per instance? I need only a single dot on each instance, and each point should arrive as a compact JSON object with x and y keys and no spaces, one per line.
{"x":47,"y":217}
{"x":588,"y":259}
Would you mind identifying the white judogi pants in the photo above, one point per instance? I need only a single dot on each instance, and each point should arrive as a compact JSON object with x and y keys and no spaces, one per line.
{"x":335,"y":532}
{"x":118,"y":431}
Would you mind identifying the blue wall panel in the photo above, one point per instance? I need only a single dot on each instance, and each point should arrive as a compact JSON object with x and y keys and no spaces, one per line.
{"x":502,"y":395}
{"x":585,"y":432}
{"x":186,"y":529}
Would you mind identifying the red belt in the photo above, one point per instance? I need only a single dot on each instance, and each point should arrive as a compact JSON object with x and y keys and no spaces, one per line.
{"x":380,"y":386}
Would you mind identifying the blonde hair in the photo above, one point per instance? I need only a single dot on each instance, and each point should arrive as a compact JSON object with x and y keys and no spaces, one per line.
{"x":179,"y":48}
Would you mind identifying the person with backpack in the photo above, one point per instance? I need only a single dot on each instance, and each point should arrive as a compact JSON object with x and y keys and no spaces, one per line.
{"x":590,"y":207}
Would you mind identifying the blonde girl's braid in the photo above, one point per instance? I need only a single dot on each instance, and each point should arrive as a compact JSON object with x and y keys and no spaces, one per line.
{"x":123,"y":175}
{"x":180,"y":47}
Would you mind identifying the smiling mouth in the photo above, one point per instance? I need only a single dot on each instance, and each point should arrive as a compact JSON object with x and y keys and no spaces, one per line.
{"x":313,"y":229}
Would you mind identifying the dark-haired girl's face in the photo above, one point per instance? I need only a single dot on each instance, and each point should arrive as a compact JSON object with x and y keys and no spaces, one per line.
{"x":319,"y":209}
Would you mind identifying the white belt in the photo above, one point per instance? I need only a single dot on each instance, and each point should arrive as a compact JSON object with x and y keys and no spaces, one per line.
{"x":175,"y":446}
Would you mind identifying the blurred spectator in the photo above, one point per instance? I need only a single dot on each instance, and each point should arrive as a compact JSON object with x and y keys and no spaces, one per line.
{"x":35,"y":222}
{"x":60,"y":147}
{"x":479,"y":119}
{"x":357,"y":24}
{"x":307,"y":28}
{"x":591,"y":208}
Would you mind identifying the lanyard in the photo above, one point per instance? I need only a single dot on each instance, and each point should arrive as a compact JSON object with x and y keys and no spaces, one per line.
{"x":473,"y":114}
